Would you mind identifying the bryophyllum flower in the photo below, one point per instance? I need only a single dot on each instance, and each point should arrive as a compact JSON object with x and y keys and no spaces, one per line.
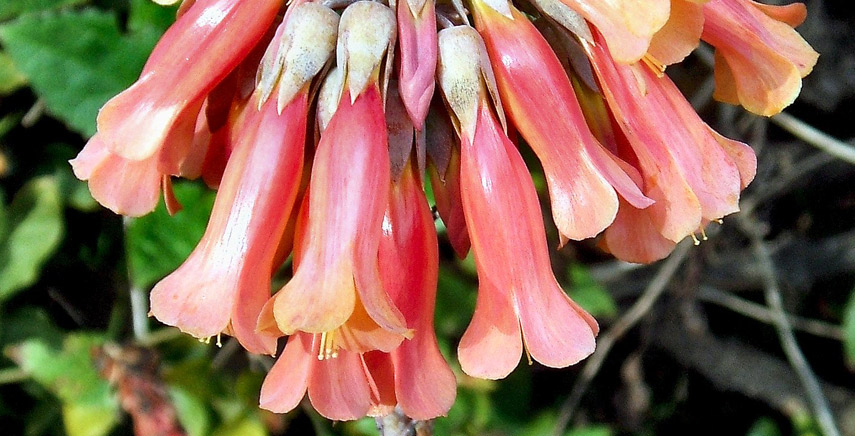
{"x":583,"y":178}
{"x":519,"y":300}
{"x":324,"y":158}
{"x":694,"y":174}
{"x":760,"y":59}
{"x":348,"y":185}
{"x":235,"y":259}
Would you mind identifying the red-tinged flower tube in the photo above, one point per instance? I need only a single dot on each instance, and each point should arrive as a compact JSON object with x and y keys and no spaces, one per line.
{"x":760,"y":59}
{"x":694,"y":174}
{"x":338,"y":271}
{"x":519,"y":301}
{"x":224,"y":283}
{"x":582,"y":176}
{"x":518,"y":297}
{"x":423,"y":385}
{"x":338,"y":388}
{"x":197,"y":52}
{"x":417,"y":39}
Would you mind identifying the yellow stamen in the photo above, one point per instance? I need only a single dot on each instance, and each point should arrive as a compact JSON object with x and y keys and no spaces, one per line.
{"x":219,"y":340}
{"x":719,"y":221}
{"x":695,"y":240}
{"x":703,"y":234}
{"x":328,"y":348}
{"x":654,"y":64}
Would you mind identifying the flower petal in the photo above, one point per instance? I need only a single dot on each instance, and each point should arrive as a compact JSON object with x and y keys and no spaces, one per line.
{"x":286,"y":383}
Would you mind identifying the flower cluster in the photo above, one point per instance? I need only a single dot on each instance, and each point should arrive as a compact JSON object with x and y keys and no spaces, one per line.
{"x":319,"y":122}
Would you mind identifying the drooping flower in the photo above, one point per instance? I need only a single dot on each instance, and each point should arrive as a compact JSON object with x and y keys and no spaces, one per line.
{"x":338,"y":270}
{"x":519,"y":300}
{"x":581,"y":175}
{"x":226,"y":280}
{"x":760,"y":59}
{"x":694,"y":175}
{"x":196,"y":53}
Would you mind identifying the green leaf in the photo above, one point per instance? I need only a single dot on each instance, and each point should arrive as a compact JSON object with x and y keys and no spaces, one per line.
{"x":589,"y":294}
{"x":35,"y":229}
{"x":191,"y":410}
{"x":88,"y":405}
{"x":76,"y":60}
{"x":594,"y":430}
{"x":12,"y":8}
{"x":849,"y":330}
{"x":10,"y":78}
{"x":88,"y":420}
{"x":146,"y":15}
{"x":157,"y":243}
{"x":764,"y":427}
{"x":247,"y":426}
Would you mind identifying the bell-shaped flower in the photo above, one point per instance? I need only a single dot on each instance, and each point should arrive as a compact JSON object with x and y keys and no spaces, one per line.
{"x":519,"y":301}
{"x":420,"y":381}
{"x":760,"y":59}
{"x":338,"y":388}
{"x":582,"y":176}
{"x":194,"y":54}
{"x":694,"y":174}
{"x":224,"y":283}
{"x":338,"y":275}
{"x":417,"y":39}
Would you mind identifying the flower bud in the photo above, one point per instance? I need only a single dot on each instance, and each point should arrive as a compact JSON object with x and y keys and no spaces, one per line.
{"x":366,"y":32}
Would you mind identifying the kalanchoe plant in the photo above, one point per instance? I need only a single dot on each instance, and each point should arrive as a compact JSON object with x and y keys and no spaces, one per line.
{"x":319,"y":123}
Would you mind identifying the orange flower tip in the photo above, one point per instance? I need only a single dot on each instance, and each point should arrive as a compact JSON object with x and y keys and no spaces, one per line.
{"x":366,"y":32}
{"x":307,"y":42}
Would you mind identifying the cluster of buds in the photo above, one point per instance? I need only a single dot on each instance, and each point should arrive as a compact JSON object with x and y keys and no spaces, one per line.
{"x":319,"y":122}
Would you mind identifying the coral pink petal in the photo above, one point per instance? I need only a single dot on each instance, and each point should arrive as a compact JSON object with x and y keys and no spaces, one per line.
{"x":628,"y":25}
{"x":680,"y":35}
{"x":539,"y":98}
{"x":409,"y":259}
{"x":286,"y":383}
{"x":339,"y":388}
{"x":491,"y":347}
{"x":226,"y":280}
{"x":124,"y":186}
{"x":381,"y":379}
{"x":634,"y":237}
{"x":198,"y":51}
{"x":418,"y":41}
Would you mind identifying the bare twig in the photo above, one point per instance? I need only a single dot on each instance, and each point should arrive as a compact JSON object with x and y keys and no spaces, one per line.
{"x":399,"y":424}
{"x":812,"y":136}
{"x":764,"y":314}
{"x":794,"y":354}
{"x":621,"y":326}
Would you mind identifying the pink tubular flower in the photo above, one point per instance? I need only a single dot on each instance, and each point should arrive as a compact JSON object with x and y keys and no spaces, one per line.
{"x":423,"y":385}
{"x":226,"y":280}
{"x":760,"y":59}
{"x":518,"y":297}
{"x":338,"y":270}
{"x":679,"y":36}
{"x":694,"y":174}
{"x":417,"y":38}
{"x":198,"y":51}
{"x":338,"y":388}
{"x":582,"y":176}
